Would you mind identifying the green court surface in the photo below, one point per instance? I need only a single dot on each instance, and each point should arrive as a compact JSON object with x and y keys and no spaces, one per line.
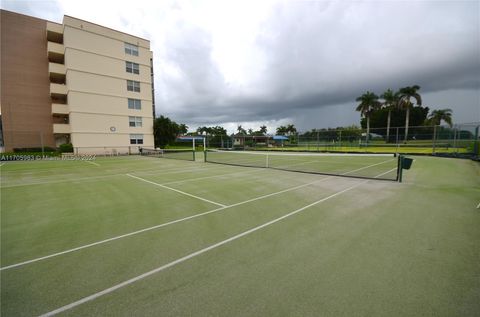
{"x":143,"y":236}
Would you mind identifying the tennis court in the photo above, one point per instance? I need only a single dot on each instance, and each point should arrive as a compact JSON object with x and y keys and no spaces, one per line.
{"x":147,"y":236}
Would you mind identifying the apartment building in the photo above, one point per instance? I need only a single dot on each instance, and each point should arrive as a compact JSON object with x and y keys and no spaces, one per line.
{"x":75,"y":82}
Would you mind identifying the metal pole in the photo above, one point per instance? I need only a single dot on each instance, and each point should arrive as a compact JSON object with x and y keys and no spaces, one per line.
{"x":398,"y":145}
{"x":434,"y":138}
{"x":41,"y":142}
{"x":400,"y":168}
{"x":454,"y":139}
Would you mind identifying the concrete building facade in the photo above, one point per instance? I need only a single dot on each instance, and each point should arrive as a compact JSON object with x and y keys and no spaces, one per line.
{"x":75,"y":82}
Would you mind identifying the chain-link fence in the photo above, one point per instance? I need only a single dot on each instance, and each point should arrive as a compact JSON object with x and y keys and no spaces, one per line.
{"x":458,"y":140}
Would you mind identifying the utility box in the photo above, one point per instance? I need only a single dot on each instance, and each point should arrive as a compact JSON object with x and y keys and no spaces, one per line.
{"x":407,"y":163}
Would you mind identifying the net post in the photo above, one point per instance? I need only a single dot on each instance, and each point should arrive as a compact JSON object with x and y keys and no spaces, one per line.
{"x":399,"y":168}
{"x":205,"y":149}
{"x":397,"y":141}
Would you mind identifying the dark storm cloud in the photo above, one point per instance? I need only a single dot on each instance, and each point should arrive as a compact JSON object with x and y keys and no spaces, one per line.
{"x":303,"y":62}
{"x":320,"y":54}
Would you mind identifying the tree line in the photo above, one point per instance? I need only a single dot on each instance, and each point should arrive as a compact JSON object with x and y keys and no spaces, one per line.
{"x":166,"y":131}
{"x":400,"y":103}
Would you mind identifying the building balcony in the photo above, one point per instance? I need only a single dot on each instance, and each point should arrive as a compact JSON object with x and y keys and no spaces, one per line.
{"x":60,"y":109}
{"x":56,"y":52}
{"x":58,"y":90}
{"x":61,"y":128}
{"x":57,"y":73}
{"x":54,"y":32}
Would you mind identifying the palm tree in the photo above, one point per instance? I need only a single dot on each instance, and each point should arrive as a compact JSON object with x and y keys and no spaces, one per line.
{"x":368,"y":104}
{"x":263,"y":129}
{"x":291,"y":129}
{"x":282,"y":130}
{"x":241,"y":130}
{"x":404,"y":95}
{"x":437,"y":116}
{"x":390,"y":103}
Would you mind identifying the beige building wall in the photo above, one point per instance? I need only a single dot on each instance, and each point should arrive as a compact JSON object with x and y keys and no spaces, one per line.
{"x":68,"y":83}
{"x":96,"y":77}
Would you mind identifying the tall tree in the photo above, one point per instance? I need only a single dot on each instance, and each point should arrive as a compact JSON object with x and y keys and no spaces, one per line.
{"x":263,"y":129}
{"x":390,"y":102}
{"x":368,"y":104}
{"x":282,"y":130}
{"x":241,"y":130}
{"x":182,"y":128}
{"x":405,"y":95}
{"x":291,"y":129}
{"x":437,"y":116}
{"x":165,"y":131}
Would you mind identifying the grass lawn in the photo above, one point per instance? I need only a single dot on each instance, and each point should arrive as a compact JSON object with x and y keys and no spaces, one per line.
{"x":138,"y":236}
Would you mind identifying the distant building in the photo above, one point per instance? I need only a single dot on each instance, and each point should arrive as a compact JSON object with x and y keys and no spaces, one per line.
{"x":75,"y":82}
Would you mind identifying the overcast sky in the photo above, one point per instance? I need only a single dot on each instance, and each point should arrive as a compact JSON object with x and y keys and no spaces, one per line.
{"x":302,"y":62}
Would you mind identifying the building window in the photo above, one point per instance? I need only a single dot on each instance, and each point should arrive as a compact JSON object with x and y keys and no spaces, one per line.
{"x":133,"y":85}
{"x":136,"y":138}
{"x":135,"y":121}
{"x":133,"y":68}
{"x":134,"y":104}
{"x":131,"y":49}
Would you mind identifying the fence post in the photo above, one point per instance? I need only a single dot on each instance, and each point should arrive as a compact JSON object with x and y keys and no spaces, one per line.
{"x":455,"y":139}
{"x":398,"y":145}
{"x":475,"y":144}
{"x":41,"y":142}
{"x":434,"y":139}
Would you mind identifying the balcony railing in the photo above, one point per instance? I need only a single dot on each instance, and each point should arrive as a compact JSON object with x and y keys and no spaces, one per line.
{"x":60,"y":128}
{"x":56,"y":52}
{"x":57,"y":73}
{"x":54,"y":32}
{"x":58,"y":89}
{"x":60,"y":109}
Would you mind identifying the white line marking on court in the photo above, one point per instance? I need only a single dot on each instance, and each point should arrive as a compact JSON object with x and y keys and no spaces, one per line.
{"x":168,"y":171}
{"x":1,"y":164}
{"x":478,"y":206}
{"x":178,"y":220}
{"x":96,"y":164}
{"x":192,"y":255}
{"x":175,"y":190}
{"x":158,"y":226}
{"x":207,"y":177}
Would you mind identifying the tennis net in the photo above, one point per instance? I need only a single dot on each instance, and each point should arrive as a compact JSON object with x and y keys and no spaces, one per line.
{"x":370,"y":166}
{"x":177,"y":154}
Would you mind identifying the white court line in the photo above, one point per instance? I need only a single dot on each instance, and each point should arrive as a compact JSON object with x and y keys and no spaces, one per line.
{"x":192,"y":255}
{"x":164,"y":172}
{"x":207,"y":177}
{"x":478,"y":206}
{"x":176,"y":221}
{"x":175,"y":190}
{"x":158,"y":226}
{"x":1,"y":164}
{"x":96,"y":164}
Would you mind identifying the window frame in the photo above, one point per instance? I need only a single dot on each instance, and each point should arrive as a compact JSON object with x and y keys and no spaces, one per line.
{"x":132,"y":68}
{"x":136,"y":121}
{"x":131,"y":49}
{"x":133,"y":85}
{"x":134,"y":104}
{"x":136,"y":138}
